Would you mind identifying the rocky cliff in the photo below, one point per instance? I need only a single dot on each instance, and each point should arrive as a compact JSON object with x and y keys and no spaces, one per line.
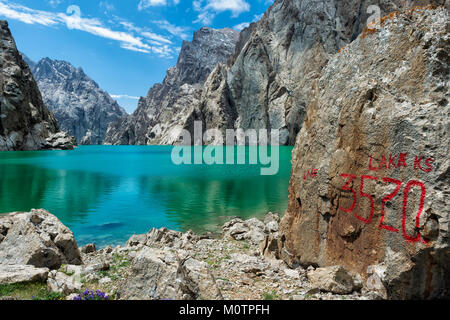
{"x":26,"y":123}
{"x":80,"y":106}
{"x":266,"y":84}
{"x":370,"y":178}
{"x":163,"y":112}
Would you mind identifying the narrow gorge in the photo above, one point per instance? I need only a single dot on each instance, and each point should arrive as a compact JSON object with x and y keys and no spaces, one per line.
{"x":26,"y":123}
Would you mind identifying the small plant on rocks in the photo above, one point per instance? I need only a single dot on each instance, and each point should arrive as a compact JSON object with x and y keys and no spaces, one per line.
{"x":92,"y":295}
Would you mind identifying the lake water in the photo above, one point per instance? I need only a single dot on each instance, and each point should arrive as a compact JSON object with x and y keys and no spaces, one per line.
{"x":104,"y":194}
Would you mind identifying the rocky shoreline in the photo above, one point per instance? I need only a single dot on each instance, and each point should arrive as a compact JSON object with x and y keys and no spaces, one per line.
{"x":35,"y":247}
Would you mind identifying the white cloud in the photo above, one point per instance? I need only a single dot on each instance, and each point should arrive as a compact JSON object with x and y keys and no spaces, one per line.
{"x":257,"y":17}
{"x":205,"y":17}
{"x":106,"y":6}
{"x":241,"y":26}
{"x":27,"y":15}
{"x":93,"y":26}
{"x":145,"y":41}
{"x":152,"y":37}
{"x":144,"y":4}
{"x":54,"y":3}
{"x":163,"y":51}
{"x":123,"y":96}
{"x":235,"y":6}
{"x":173,"y":29}
{"x":209,"y":8}
{"x":155,"y":37}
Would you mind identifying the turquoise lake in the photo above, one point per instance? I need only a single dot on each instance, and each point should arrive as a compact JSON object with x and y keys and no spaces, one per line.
{"x":104,"y":194}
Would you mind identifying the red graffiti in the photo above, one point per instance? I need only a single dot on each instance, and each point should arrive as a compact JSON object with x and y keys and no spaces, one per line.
{"x":387,"y":198}
{"x":413,"y":183}
{"x":348,"y":188}
{"x":420,"y":163}
{"x":372,"y":202}
{"x":405,"y":203}
{"x":310,"y":174}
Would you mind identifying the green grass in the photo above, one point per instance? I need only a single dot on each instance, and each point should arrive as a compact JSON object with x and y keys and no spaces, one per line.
{"x":270,"y":296}
{"x":63,"y":270}
{"x":119,"y":262}
{"x":223,"y":279}
{"x":29,"y":291}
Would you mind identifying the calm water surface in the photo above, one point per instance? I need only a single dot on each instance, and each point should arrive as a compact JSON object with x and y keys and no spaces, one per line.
{"x":104,"y":194}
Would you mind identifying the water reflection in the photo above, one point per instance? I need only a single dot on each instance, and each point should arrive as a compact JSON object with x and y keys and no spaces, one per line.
{"x":70,"y":195}
{"x":105,"y":193}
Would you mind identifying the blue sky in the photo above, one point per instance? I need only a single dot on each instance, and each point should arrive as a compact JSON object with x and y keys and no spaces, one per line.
{"x":124,"y":45}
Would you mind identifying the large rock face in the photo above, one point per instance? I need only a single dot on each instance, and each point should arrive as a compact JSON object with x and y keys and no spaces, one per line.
{"x":25,"y":122}
{"x":162,"y":114}
{"x":80,"y":106}
{"x":267,"y":83}
{"x":376,"y":131}
{"x":36,"y":238}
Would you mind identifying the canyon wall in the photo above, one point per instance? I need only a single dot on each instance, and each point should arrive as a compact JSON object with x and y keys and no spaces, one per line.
{"x":25,"y":121}
{"x":370,"y":180}
{"x":161,"y":115}
{"x":80,"y":106}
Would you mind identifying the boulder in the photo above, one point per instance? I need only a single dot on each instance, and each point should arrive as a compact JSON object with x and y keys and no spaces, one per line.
{"x":253,"y":230}
{"x":89,"y":248}
{"x":62,"y":283}
{"x":335,"y":279}
{"x":37,"y":238}
{"x":376,"y":130}
{"x":157,"y":274}
{"x":151,"y":276}
{"x":269,"y":247}
{"x":59,"y":141}
{"x":197,"y":281}
{"x":248,"y":264}
{"x":376,"y":281}
{"x":163,"y":237}
{"x":22,"y":273}
{"x":137,"y":239}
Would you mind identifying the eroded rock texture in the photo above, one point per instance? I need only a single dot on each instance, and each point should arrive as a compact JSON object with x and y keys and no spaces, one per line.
{"x":267,"y":83}
{"x":162,"y":114}
{"x":383,"y":97}
{"x":36,"y":238}
{"x":25,"y":122}
{"x":80,"y":106}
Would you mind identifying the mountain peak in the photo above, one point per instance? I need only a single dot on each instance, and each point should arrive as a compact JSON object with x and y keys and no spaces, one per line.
{"x":80,"y":106}
{"x":26,"y":123}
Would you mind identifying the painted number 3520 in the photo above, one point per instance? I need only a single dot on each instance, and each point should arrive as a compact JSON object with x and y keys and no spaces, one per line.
{"x":398,"y":185}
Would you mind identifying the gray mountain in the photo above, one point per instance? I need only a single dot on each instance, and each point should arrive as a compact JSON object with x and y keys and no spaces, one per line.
{"x":161,"y":115}
{"x":267,"y":82}
{"x":25,"y":122}
{"x":80,"y":106}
